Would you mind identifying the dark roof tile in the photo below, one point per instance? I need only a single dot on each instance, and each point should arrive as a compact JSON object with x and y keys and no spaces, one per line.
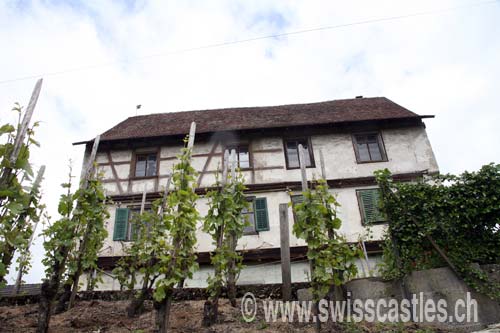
{"x":337,"y":111}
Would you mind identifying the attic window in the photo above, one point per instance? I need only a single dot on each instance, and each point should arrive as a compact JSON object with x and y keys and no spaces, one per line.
{"x":242,"y":155}
{"x":292,"y":153}
{"x":369,"y":147}
{"x":145,"y":165}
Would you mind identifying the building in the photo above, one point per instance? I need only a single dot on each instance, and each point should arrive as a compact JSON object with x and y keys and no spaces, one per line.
{"x":356,"y":136}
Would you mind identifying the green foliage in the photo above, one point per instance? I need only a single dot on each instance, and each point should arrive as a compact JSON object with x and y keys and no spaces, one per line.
{"x":91,"y":214}
{"x":225,"y":223}
{"x":61,"y":234}
{"x":318,"y":224}
{"x":19,"y":199}
{"x":81,"y":212}
{"x":462,"y":215}
{"x":163,"y":247}
{"x":175,"y":243}
{"x":149,"y":229}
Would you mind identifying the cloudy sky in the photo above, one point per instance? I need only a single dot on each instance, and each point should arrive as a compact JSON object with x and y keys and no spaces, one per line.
{"x":99,"y":59}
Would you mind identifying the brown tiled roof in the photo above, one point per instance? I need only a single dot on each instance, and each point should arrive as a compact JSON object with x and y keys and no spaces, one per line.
{"x":337,"y":111}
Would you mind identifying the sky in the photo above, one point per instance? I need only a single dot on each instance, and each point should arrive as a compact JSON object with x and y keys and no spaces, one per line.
{"x":99,"y":59}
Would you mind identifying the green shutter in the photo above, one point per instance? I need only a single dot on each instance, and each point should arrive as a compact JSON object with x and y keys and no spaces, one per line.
{"x":261,"y":217}
{"x":121,"y":221}
{"x":370,"y":206}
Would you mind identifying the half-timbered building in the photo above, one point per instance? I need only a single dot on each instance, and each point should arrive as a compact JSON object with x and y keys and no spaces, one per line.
{"x":356,"y":136}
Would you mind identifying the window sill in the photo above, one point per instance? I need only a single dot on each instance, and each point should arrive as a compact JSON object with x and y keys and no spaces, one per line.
{"x":253,"y":233}
{"x":367,"y":162}
{"x":143,"y":178}
{"x":298,"y":168}
{"x":364,"y":224}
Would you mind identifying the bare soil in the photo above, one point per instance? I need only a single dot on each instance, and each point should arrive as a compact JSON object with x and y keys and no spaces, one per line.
{"x":110,"y":316}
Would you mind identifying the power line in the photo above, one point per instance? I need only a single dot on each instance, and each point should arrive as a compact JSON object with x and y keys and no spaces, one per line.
{"x":248,"y":40}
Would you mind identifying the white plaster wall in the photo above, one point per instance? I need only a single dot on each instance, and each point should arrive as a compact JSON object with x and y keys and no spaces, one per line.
{"x":123,"y":170}
{"x":349,"y":213}
{"x":137,"y":186}
{"x":105,"y":171}
{"x":121,"y":155}
{"x":267,"y":143}
{"x":264,"y":273}
{"x":408,"y":150}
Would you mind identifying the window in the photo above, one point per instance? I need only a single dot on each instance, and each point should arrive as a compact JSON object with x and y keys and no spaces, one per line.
{"x":125,"y":229}
{"x":242,"y":156}
{"x":292,"y":153}
{"x":256,"y":215}
{"x":369,"y":147}
{"x":369,"y":206}
{"x":145,"y":165}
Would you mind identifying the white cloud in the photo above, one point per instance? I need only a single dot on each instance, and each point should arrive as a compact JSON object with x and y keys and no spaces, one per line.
{"x":444,"y":64}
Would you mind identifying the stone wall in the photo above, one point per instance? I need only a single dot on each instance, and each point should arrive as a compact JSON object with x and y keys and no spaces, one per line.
{"x":435,"y":284}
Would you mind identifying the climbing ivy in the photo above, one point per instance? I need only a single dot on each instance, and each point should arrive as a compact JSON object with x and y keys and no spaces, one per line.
{"x":460,"y":213}
{"x":317,"y":223}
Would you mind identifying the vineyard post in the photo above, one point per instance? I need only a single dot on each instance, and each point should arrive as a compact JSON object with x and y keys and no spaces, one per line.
{"x":19,"y":278}
{"x":163,"y":315}
{"x":143,"y":201}
{"x":322,"y":164}
{"x":50,"y":286}
{"x":23,"y":129}
{"x":231,"y":278}
{"x":286,"y":277}
{"x":89,"y":170}
{"x":366,"y":256}
{"x":303,"y":173}
{"x":302,"y":163}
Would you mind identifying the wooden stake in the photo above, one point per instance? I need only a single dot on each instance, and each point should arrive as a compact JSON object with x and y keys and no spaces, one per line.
{"x":87,"y":175}
{"x":286,"y":275}
{"x":143,"y":202}
{"x":234,"y":162}
{"x":89,"y":168}
{"x":225,"y":168}
{"x":34,"y":190}
{"x":5,"y":177}
{"x":233,"y":242}
{"x":366,"y":256}
{"x":322,"y":163}
{"x":163,"y":314}
{"x":192,"y":132}
{"x":302,"y":163}
{"x":25,"y":123}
